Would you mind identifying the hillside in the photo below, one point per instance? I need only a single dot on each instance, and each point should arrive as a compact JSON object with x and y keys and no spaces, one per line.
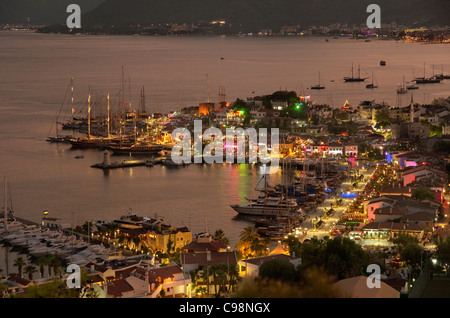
{"x":241,"y":15}
{"x":40,"y":12}
{"x":256,"y":14}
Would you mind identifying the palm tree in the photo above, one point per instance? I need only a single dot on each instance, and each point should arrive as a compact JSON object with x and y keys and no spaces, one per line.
{"x":41,"y":262}
{"x":219,"y":235}
{"x":221,"y":277}
{"x":205,"y":274}
{"x":213,"y":270}
{"x":233,"y":276}
{"x":19,"y":262}
{"x":256,"y":247}
{"x":55,"y":264}
{"x":30,"y":270}
{"x":248,"y":235}
{"x":194,"y":276}
{"x":49,"y":261}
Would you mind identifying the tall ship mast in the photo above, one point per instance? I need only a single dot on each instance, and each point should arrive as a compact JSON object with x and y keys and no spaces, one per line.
{"x":355,"y":79}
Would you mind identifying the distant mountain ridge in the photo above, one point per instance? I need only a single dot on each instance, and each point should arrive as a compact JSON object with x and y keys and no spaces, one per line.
{"x":248,"y":15}
{"x":40,"y":12}
{"x":257,"y":14}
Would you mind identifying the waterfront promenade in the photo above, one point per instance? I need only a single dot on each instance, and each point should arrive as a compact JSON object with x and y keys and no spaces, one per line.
{"x":307,"y":231}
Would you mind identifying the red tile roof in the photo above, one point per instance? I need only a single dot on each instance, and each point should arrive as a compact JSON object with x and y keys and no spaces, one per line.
{"x":118,"y":287}
{"x":390,"y":210}
{"x":164,"y":272}
{"x":19,"y":280}
{"x":259,"y":260}
{"x":216,"y":258}
{"x":213,"y":246}
{"x":124,"y":272}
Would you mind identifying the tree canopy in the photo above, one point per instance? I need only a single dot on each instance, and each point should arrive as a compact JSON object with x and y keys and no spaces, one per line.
{"x":278,"y":269}
{"x":338,"y":257}
{"x":422,"y":193}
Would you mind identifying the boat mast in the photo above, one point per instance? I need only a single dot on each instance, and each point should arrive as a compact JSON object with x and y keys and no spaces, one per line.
{"x":143,"y":100}
{"x":129,"y":92}
{"x":71,"y":90}
{"x":123,"y":90}
{"x":6,"y":205}
{"x":89,"y":116}
{"x":108,"y":117}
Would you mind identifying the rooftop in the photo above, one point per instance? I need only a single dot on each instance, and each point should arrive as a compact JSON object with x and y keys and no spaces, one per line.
{"x":203,"y":259}
{"x":388,"y":226}
{"x":259,"y":260}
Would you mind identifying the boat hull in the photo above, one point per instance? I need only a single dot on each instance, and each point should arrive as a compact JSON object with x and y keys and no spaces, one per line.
{"x":271,"y":212}
{"x":136,"y":150}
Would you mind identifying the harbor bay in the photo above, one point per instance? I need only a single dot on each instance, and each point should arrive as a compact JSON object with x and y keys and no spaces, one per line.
{"x":60,"y":92}
{"x":38,"y":69}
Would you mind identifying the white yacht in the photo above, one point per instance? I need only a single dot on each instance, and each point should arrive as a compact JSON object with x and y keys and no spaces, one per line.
{"x":268,"y":207}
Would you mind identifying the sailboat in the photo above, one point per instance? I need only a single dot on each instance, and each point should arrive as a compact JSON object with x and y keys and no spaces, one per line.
{"x":411,"y":85}
{"x":442,"y":76}
{"x":427,"y":80}
{"x":372,"y":85}
{"x":401,"y":88}
{"x":57,"y":137}
{"x":318,"y":86}
{"x":89,"y":141}
{"x":355,"y":79}
{"x":7,"y":211}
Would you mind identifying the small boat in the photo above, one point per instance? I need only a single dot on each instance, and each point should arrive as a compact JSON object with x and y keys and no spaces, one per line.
{"x":412,"y":86}
{"x":168,"y":162}
{"x":371,"y":85}
{"x":382,"y":63}
{"x":401,"y":88}
{"x":318,"y":86}
{"x":442,"y":76}
{"x":149,"y":163}
{"x":64,"y":139}
{"x":137,"y":149}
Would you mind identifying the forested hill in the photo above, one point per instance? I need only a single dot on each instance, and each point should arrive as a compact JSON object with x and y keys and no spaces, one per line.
{"x":40,"y":12}
{"x":258,"y":14}
{"x":246,"y":15}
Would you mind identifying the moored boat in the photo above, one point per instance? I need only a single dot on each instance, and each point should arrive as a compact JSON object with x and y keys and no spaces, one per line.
{"x":355,"y":79}
{"x":142,"y":149}
{"x":271,"y":207}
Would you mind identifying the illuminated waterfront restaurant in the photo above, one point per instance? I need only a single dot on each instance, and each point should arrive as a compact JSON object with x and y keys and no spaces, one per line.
{"x":388,"y":230}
